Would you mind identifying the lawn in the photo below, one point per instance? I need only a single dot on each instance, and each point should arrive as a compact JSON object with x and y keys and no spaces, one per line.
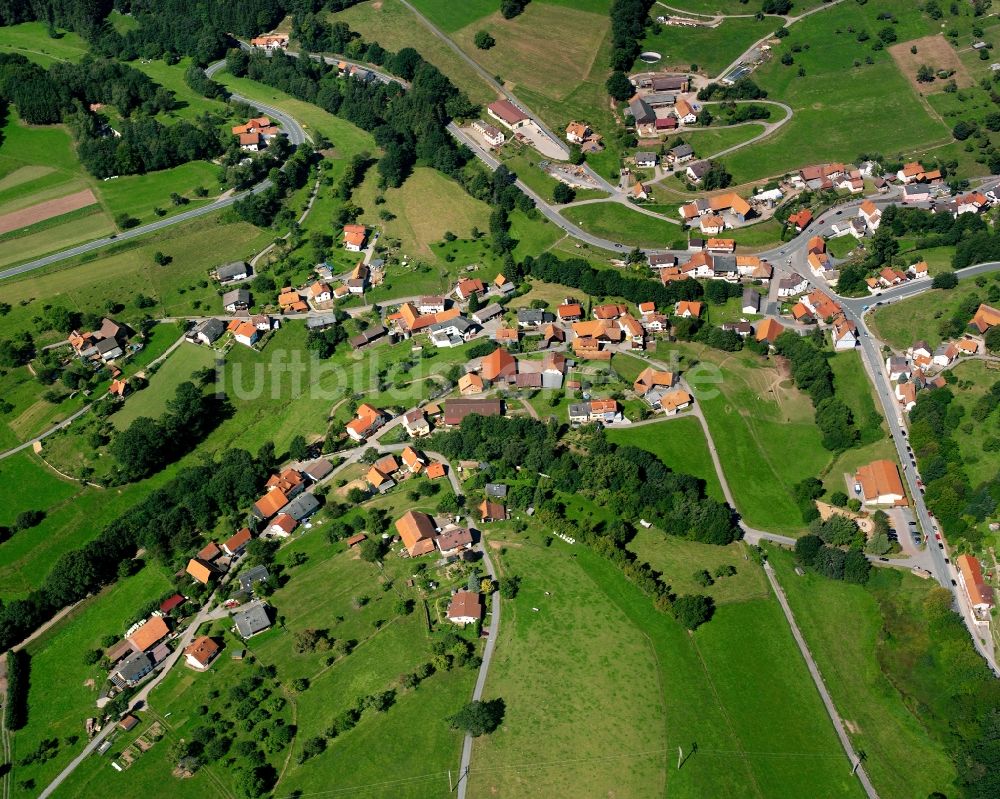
{"x":152,"y":400}
{"x":764,"y":430}
{"x":857,"y":108}
{"x":524,"y":163}
{"x":63,"y":689}
{"x":32,"y":413}
{"x":709,"y":141}
{"x":47,"y":491}
{"x":32,"y":40}
{"x":855,"y":389}
{"x":616,"y":222}
{"x":394,"y":26}
{"x":190,"y":103}
{"x":450,"y":16}
{"x":755,"y":238}
{"x":680,"y":444}
{"x":705,"y":50}
{"x":843,"y":626}
{"x":682,"y":690}
{"x":713,"y":7}
{"x":901,"y":323}
{"x":57,"y":237}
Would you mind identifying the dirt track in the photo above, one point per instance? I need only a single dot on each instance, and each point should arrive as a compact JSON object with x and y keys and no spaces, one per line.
{"x":47,"y":210}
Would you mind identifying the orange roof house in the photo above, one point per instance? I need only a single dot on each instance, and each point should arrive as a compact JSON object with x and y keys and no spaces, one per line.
{"x":470,"y":384}
{"x":649,"y":378}
{"x":289,"y":482}
{"x":801,"y":219}
{"x":354,"y":236}
{"x":980,"y":594}
{"x":270,"y":503}
{"x":436,"y":470}
{"x":686,"y":308}
{"x":365,"y":423}
{"x":498,"y":365}
{"x":201,"y":652}
{"x":200,"y":571}
{"x":985,"y":318}
{"x":880,"y":483}
{"x":570,"y":311}
{"x":490,"y":511}
{"x":150,"y":634}
{"x":417,"y":530}
{"x":769,"y":330}
{"x":413,"y":460}
{"x":237,"y":543}
{"x":673,"y":401}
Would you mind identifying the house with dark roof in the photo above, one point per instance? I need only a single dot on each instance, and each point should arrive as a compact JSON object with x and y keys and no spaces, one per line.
{"x":252,"y":576}
{"x":302,"y":506}
{"x":131,"y":670}
{"x":236,"y":300}
{"x":251,"y":619}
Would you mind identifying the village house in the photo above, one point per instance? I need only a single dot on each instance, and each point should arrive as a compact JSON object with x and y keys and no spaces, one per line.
{"x":452,"y":333}
{"x":498,"y":367}
{"x":466,"y":287}
{"x":417,"y":531}
{"x":490,"y":511}
{"x":244,"y":332}
{"x":916,"y":193}
{"x":232,"y":272}
{"x":149,"y":634}
{"x":302,"y":507}
{"x":367,"y":420}
{"x":236,"y":300}
{"x":649,"y":378}
{"x":270,"y":41}
{"x":200,"y":653}
{"x":200,"y":571}
{"x":914,"y":172}
{"x":917,"y":270}
{"x":381,"y":473}
{"x":605,"y":411}
{"x":454,"y":541}
{"x":470,"y":384}
{"x":282,"y":526}
{"x":871,"y":215}
{"x":466,"y":607}
{"x":684,"y":112}
{"x":985,"y":317}
{"x":131,"y":670}
{"x":680,"y":154}
{"x":970,"y":575}
{"x":644,"y":160}
{"x":687,"y":309}
{"x":769,"y":330}
{"x":290,"y":301}
{"x":236,"y":543}
{"x":431,"y":305}
{"x":696,"y":171}
{"x":845,"y":334}
{"x":251,"y":619}
{"x":416,"y":424}
{"x":494,"y":136}
{"x":800,"y":219}
{"x":792,"y":285}
{"x":878,"y":483}
{"x":577,"y":132}
{"x":483,"y":315}
{"x":354,"y":237}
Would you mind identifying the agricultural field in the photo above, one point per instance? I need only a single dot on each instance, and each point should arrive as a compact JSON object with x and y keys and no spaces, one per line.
{"x":763,"y":428}
{"x":854,"y":103}
{"x":705,"y":50}
{"x":684,"y":689}
{"x":680,"y":443}
{"x":64,"y":689}
{"x":844,"y":627}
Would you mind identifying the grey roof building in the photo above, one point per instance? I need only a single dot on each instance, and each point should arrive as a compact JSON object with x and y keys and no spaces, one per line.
{"x":489,"y":312}
{"x":303,"y":505}
{"x":237,"y":299}
{"x":642,"y":112}
{"x":682,"y":151}
{"x":320,"y":322}
{"x":255,"y":575}
{"x":237,"y":270}
{"x":131,"y":670}
{"x":534,"y":317}
{"x":251,"y":619}
{"x":208,"y":331}
{"x":497,"y":490}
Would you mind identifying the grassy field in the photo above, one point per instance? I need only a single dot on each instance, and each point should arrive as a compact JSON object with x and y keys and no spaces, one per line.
{"x":856,"y":114}
{"x":451,"y":17}
{"x":549,"y":48}
{"x":705,"y":50}
{"x":901,"y":323}
{"x":682,"y":689}
{"x":854,"y":387}
{"x":843,"y":625}
{"x":678,"y":560}
{"x":764,"y":431}
{"x":426,"y":206}
{"x":394,"y":26}
{"x":138,"y":195}
{"x":680,"y":444}
{"x":57,"y":237}
{"x":152,"y":400}
{"x":31,"y":39}
{"x":63,"y":689}
{"x":713,"y":7}
{"x":190,"y":104}
{"x":616,"y":222}
{"x":709,"y":141}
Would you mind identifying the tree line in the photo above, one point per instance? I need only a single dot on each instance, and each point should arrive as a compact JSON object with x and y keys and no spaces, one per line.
{"x":629,"y":19}
{"x":16,"y":703}
{"x":167,"y":524}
